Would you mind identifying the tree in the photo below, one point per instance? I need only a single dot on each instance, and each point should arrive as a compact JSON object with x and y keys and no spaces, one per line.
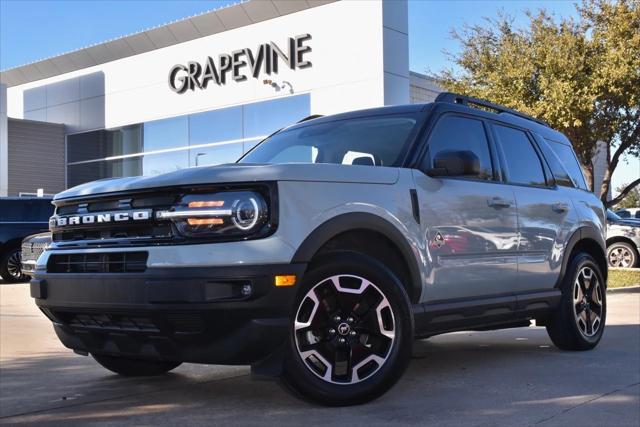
{"x":582,"y":76}
{"x":631,"y":200}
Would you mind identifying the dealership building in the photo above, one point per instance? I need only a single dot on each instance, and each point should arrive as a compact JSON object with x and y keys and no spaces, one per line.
{"x":199,"y":91}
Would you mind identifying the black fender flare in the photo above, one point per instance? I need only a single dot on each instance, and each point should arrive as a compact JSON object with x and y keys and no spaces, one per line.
{"x":581,"y":234}
{"x":362,"y":221}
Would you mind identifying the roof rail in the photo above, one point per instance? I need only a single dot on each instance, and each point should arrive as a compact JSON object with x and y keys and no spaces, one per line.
{"x":311,"y":117}
{"x":454,"y":98}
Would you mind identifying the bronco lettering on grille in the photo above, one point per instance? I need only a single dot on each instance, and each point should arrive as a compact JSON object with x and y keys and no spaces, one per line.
{"x":100,"y":218}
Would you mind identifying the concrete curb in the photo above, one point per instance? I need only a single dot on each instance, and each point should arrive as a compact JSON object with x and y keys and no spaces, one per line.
{"x":625,"y":289}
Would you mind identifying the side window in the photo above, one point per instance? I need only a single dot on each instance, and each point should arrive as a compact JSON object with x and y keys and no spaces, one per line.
{"x":522,"y":161}
{"x":461,"y":134}
{"x":569,"y":161}
{"x":559,"y":171}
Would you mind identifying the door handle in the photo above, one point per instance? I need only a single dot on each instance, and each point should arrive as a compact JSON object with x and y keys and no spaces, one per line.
{"x":560,"y":207}
{"x":498,"y":203}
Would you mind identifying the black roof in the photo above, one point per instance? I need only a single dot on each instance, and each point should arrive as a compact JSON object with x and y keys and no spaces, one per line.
{"x":457,"y":102}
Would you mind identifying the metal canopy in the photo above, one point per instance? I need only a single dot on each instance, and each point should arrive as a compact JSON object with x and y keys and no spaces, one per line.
{"x":212,"y":22}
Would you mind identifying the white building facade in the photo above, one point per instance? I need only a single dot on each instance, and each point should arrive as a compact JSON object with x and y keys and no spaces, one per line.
{"x":202,"y":90}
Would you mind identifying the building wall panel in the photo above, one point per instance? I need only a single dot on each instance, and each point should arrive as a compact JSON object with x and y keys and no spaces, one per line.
{"x":36,"y":157}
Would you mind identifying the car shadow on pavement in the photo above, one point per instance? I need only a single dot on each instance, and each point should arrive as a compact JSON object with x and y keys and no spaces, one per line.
{"x":509,"y":377}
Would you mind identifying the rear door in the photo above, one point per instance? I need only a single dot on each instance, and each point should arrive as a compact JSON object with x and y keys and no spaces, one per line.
{"x":469,"y":223}
{"x":545,"y":209}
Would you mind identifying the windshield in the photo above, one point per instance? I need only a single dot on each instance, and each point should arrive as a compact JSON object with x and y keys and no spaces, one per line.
{"x":373,"y":141}
{"x":611,"y":216}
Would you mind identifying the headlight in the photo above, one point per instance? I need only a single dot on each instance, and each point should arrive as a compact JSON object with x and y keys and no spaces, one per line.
{"x":225,"y":214}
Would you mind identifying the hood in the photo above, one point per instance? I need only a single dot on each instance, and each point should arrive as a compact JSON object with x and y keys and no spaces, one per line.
{"x":627,"y":222}
{"x":235,"y":172}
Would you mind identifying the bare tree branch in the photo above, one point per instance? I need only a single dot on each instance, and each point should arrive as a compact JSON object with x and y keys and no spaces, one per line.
{"x":622,"y":194}
{"x":615,"y":159}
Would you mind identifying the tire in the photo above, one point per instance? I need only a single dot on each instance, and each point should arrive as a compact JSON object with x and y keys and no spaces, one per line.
{"x":134,"y":367}
{"x":10,"y":268}
{"x":622,"y":254}
{"x":368,"y":311}
{"x":577,"y":324}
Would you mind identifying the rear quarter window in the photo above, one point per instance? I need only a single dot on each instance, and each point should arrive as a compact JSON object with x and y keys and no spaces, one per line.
{"x":570,"y":162}
{"x":558,"y":170}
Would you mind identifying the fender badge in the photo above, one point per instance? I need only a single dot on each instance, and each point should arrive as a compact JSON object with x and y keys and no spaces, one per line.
{"x":438,"y":241}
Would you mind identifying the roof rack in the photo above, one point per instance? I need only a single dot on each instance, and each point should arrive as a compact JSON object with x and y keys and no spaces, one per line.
{"x":311,"y":117}
{"x":454,"y":98}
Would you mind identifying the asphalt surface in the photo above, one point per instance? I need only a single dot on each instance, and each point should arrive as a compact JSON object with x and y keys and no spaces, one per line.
{"x":502,"y":378}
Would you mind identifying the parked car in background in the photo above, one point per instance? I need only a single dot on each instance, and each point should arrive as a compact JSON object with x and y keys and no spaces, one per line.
{"x":32,"y":248}
{"x":623,"y":241}
{"x":19,"y":218}
{"x":629,"y":213}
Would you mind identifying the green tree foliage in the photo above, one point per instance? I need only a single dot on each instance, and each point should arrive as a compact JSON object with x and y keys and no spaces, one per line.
{"x":631,"y":200}
{"x":582,"y":76}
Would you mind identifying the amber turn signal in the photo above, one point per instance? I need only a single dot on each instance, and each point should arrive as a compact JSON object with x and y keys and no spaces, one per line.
{"x":285,"y":280}
{"x":206,"y":204}
{"x":207,"y":221}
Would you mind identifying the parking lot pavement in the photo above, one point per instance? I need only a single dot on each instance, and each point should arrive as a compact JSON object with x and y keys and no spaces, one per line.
{"x":511,"y":377}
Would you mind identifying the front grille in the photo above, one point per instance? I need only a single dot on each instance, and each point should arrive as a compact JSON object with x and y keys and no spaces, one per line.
{"x":134,"y":232}
{"x":113,"y":204}
{"x":31,"y":251}
{"x":107,"y":321}
{"x":171,"y":322}
{"x":131,"y":232}
{"x":110,"y":262}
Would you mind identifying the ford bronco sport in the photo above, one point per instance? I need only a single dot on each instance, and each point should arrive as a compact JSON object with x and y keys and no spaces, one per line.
{"x":327,"y":249}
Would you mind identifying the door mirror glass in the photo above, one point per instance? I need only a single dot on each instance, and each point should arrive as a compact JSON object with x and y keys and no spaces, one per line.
{"x":455,"y":163}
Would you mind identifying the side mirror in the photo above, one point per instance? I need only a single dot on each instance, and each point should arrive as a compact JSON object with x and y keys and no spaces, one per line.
{"x":455,"y":163}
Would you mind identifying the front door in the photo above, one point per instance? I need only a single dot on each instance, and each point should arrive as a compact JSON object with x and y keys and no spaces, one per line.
{"x":469,"y":222}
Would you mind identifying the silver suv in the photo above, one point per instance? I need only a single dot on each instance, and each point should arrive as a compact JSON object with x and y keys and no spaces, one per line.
{"x":323,"y":253}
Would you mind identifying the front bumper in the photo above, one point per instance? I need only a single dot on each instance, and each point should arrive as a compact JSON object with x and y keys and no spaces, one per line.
{"x":28,"y":267}
{"x":198,"y":314}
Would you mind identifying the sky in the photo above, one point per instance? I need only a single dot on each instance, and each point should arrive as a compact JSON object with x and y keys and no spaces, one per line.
{"x":34,"y":30}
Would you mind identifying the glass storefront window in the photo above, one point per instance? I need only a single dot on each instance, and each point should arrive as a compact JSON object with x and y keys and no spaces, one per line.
{"x":85,"y":172}
{"x":215,"y":155}
{"x":104,"y":143}
{"x":208,"y":138}
{"x":264,"y":118}
{"x":87,"y":146}
{"x":168,"y":133}
{"x":215,"y":126}
{"x":156,"y":164}
{"x":126,"y":140}
{"x":215,"y":137}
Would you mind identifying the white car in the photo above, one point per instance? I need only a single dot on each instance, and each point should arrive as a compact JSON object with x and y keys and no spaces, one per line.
{"x":623,"y":241}
{"x":629,"y":213}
